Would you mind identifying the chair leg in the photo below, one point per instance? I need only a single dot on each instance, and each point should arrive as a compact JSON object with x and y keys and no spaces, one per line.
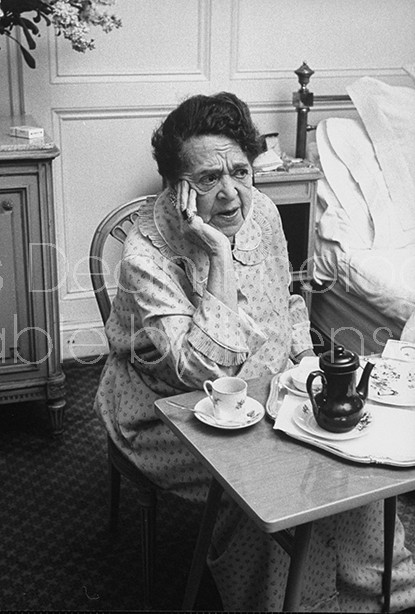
{"x":148,"y":541}
{"x":114,"y":483}
{"x":389,"y":537}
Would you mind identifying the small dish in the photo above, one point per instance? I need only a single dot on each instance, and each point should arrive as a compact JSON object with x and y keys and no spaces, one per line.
{"x":301,"y":372}
{"x":204,"y":412}
{"x":304,"y":418}
{"x":399,"y":350}
{"x":286,"y":380}
{"x":392,"y":382}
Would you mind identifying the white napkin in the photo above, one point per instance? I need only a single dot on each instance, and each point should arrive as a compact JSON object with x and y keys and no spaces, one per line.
{"x":388,"y":439}
{"x":267,"y":161}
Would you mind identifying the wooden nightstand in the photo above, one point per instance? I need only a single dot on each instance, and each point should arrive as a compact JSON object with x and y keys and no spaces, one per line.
{"x":294,"y":192}
{"x":30,"y":366}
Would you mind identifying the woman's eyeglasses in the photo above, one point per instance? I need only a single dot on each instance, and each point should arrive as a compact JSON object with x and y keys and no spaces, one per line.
{"x":208,"y":182}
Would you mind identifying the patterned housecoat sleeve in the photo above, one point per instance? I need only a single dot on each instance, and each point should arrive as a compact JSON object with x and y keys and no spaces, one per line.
{"x":301,"y":338}
{"x":178,"y":336}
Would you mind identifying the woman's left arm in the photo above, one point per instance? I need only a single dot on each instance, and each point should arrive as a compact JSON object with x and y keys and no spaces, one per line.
{"x":302,"y":344}
{"x":408,"y":332}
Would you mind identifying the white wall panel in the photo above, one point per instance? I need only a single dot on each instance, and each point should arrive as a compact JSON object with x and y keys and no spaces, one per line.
{"x":158,"y":41}
{"x":340,"y":40}
{"x":106,"y":160}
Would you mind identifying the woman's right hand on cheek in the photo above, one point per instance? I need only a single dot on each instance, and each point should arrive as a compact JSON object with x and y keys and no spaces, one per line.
{"x":193,"y":227}
{"x":186,"y":201}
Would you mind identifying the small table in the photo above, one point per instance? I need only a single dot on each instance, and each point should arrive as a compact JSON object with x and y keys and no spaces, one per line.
{"x":272,"y":465}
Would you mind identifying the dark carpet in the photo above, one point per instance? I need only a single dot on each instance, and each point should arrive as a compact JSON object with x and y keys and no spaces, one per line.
{"x":56,"y":550}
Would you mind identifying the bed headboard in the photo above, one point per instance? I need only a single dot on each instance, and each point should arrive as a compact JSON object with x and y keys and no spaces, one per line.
{"x":303,"y":100}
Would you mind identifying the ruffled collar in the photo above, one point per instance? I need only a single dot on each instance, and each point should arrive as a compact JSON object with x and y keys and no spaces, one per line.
{"x":158,"y":221}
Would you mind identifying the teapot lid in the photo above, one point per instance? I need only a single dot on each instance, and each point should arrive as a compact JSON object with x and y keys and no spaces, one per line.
{"x":339,"y":360}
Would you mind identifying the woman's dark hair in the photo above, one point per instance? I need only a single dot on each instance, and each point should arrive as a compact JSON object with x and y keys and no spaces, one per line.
{"x":223,"y":114}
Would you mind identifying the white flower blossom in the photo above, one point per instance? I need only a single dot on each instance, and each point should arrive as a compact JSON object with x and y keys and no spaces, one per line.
{"x":64,"y":15}
{"x":73,"y":19}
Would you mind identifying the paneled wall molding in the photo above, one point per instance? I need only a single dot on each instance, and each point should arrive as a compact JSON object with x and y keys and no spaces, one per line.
{"x":330,"y":103}
{"x":159,"y":111}
{"x":92,"y":113}
{"x":199,"y":72}
{"x":156,"y":111}
{"x":334,"y":74}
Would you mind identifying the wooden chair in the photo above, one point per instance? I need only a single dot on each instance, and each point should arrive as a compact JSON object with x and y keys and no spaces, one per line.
{"x":116,"y":225}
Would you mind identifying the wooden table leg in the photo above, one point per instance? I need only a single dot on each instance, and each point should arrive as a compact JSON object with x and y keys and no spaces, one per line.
{"x":389,"y":536}
{"x":202,"y":544}
{"x":297,"y":567}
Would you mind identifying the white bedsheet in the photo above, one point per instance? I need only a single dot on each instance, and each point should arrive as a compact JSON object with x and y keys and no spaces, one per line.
{"x":366,"y":215}
{"x":388,"y":113}
{"x":385,"y":278}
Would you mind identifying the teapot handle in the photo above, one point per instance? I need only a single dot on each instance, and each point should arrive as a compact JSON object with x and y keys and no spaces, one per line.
{"x":310,"y":380}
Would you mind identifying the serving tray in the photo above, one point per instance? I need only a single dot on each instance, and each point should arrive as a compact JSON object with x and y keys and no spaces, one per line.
{"x":389,"y":437}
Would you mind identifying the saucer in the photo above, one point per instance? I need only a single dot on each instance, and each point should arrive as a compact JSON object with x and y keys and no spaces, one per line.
{"x":287,"y":381}
{"x":204,"y":412}
{"x":304,"y":418}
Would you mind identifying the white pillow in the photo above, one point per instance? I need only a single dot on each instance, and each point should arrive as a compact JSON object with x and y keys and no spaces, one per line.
{"x":388,"y":113}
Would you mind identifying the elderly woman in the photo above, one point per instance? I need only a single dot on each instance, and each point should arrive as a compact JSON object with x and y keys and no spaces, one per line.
{"x":203,"y":293}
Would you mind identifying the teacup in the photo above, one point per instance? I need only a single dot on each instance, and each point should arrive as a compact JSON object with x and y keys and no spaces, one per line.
{"x":228,"y":396}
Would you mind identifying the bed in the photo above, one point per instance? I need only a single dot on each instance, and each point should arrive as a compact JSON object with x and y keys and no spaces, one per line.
{"x":364,"y":267}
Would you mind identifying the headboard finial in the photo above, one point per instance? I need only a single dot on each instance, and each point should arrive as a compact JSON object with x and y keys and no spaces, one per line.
{"x":304,"y":73}
{"x":302,"y":100}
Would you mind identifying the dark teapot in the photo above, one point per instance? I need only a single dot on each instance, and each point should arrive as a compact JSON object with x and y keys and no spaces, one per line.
{"x":339,"y":405}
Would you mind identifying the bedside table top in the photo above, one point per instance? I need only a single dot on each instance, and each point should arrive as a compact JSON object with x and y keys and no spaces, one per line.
{"x":17,"y":148}
{"x":304,"y":171}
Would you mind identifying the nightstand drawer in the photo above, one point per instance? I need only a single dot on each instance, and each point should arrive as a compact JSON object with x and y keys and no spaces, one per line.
{"x":282,"y":193}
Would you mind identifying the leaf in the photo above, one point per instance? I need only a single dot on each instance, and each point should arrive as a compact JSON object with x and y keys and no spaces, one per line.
{"x":29,"y":38}
{"x":30,"y":60}
{"x":30,"y":25}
